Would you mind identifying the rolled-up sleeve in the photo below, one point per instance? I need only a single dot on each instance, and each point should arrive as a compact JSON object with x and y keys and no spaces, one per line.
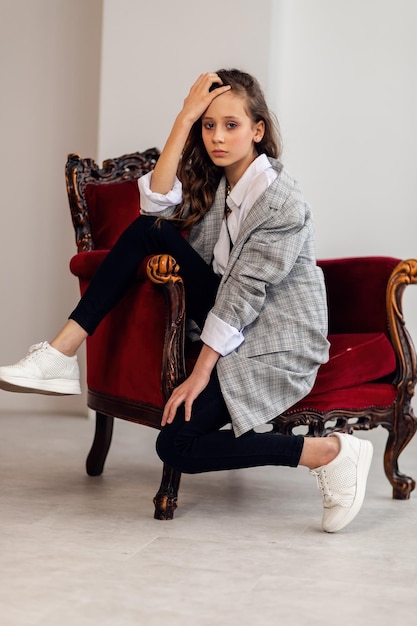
{"x":151,"y":202}
{"x":220,"y":336}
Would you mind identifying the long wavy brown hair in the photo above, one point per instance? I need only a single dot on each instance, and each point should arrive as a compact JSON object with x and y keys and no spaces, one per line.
{"x":198,"y":174}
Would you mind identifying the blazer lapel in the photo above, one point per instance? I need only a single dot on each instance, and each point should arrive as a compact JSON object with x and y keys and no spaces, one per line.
{"x":258,"y":214}
{"x":205,"y":234}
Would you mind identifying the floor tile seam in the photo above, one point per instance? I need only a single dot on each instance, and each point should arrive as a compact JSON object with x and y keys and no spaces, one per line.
{"x":306,"y":581}
{"x":300,"y":535}
{"x":142,"y":547}
{"x":257,"y":544}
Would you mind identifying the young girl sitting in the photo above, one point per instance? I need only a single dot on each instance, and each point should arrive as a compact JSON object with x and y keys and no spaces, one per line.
{"x":223,"y":206}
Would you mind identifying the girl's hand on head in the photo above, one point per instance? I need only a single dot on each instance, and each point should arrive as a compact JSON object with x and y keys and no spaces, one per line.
{"x":202,"y":94}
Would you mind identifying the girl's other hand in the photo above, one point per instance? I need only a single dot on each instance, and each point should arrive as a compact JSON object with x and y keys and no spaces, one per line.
{"x":185,"y":394}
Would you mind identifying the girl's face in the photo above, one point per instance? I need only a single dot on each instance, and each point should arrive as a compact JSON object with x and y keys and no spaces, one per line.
{"x":229,"y":135}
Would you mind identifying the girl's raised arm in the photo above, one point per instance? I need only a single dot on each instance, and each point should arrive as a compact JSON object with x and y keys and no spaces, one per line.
{"x":197,"y":101}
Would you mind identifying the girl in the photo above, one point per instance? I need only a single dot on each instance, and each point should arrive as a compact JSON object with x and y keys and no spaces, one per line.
{"x":253,"y":291}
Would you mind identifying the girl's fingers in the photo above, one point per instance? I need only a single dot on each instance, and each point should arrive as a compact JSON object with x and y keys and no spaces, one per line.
{"x":188,"y":391}
{"x":209,"y":77}
{"x":206,"y":88}
{"x":170,"y":410}
{"x":188,"y":406}
{"x":178,"y":397}
{"x":214,"y":85}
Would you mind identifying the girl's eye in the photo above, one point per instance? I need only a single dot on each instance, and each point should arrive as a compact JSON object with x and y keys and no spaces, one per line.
{"x":211,"y":125}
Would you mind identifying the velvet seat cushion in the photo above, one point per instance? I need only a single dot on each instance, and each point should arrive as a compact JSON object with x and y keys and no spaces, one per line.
{"x":360,"y":397}
{"x":354,"y":359}
{"x":349,"y":378}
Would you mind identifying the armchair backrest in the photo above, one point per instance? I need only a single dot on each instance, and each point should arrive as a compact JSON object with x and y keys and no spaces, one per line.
{"x":111,"y":208}
{"x":356,"y":293}
{"x":104,"y":201}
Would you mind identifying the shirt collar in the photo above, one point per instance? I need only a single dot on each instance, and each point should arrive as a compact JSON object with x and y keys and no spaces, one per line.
{"x":240,"y":190}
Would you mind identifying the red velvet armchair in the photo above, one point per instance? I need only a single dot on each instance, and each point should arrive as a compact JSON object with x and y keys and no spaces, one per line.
{"x":371,"y":374}
{"x":135,"y":358}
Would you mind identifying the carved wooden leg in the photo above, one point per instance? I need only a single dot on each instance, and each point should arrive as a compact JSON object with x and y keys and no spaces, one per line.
{"x":402,"y":485}
{"x":101,"y":444}
{"x":165,"y":500}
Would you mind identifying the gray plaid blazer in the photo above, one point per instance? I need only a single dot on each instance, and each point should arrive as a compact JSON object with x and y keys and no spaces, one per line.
{"x":273,"y":290}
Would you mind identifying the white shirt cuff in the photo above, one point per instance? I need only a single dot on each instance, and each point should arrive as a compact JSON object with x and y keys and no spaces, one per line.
{"x":220,"y":336}
{"x":151,"y":202}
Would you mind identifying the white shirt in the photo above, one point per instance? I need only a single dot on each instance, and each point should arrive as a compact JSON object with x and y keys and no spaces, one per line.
{"x":216,"y":333}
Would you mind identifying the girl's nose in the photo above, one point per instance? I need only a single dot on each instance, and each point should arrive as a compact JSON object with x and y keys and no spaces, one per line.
{"x":218,"y":135}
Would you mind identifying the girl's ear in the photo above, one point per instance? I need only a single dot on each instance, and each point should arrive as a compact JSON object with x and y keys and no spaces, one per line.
{"x":259,"y":131}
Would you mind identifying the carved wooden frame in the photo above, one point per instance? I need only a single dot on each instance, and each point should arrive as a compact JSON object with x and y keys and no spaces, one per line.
{"x":79,"y":173}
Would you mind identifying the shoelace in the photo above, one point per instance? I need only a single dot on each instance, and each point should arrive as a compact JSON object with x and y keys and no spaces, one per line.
{"x":329,"y":498}
{"x":31,"y":352}
{"x":322,"y":483}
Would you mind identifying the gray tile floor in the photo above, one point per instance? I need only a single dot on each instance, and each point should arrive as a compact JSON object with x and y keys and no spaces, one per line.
{"x":245,"y":548}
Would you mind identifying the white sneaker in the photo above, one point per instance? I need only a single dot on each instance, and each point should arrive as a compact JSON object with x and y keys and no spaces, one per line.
{"x":43,"y":370}
{"x":342,"y":482}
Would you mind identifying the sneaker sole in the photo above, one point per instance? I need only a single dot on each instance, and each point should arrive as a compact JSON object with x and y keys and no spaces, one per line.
{"x":364,"y":463}
{"x":52,"y":387}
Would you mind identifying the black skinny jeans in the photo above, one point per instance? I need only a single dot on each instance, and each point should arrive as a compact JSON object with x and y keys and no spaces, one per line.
{"x":200,"y":445}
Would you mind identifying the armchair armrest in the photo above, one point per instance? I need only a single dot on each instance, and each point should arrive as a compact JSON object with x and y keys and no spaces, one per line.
{"x":85,"y":264}
{"x":404,"y":274}
{"x":162,"y":269}
{"x":162,"y":272}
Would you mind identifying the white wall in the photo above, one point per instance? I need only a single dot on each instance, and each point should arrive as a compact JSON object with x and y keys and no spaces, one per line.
{"x":153,"y":52}
{"x":340,"y":75}
{"x":49,"y":70}
{"x":347,"y":100}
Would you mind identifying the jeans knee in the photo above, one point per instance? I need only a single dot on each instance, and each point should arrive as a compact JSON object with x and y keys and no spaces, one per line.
{"x":172,"y":450}
{"x":165,"y":446}
{"x":162,"y":449}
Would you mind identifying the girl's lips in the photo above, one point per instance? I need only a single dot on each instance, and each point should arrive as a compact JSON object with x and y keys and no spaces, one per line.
{"x":218,"y":153}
